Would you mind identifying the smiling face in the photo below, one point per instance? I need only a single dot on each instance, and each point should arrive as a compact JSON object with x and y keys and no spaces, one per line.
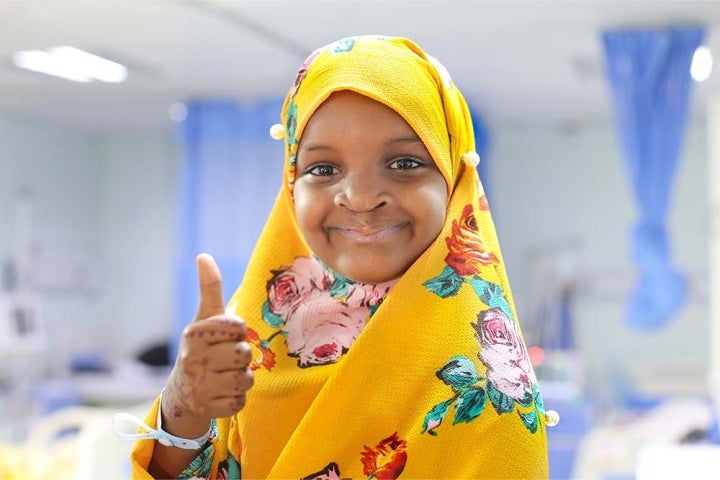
{"x":369,"y":198}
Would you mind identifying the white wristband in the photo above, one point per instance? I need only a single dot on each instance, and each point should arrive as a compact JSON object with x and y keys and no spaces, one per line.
{"x":163,"y":437}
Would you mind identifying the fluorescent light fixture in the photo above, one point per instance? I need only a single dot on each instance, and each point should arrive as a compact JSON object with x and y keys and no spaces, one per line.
{"x":702,"y":63}
{"x":93,"y":65}
{"x":45,"y":62}
{"x":71,"y":63}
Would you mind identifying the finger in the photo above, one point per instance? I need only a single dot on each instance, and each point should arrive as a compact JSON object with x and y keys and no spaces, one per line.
{"x":223,"y":392}
{"x":231,"y":356}
{"x":211,"y":293}
{"x":216,"y":329}
{"x":226,"y":406}
{"x":231,"y":384}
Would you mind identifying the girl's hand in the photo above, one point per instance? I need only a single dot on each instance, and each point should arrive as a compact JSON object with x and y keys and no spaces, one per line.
{"x":211,"y":374}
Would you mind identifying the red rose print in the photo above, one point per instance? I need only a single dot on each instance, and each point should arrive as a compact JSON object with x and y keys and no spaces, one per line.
{"x":484,"y":203}
{"x":262,"y":355}
{"x":466,"y":250}
{"x":387,"y":460}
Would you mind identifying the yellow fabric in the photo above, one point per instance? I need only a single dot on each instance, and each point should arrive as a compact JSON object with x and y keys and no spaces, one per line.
{"x":438,"y":383}
{"x":143,"y":450}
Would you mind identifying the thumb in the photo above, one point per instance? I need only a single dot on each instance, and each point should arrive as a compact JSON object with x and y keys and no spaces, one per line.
{"x":211,"y":292}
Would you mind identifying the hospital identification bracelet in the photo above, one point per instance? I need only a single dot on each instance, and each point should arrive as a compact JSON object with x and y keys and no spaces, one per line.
{"x":163,"y":437}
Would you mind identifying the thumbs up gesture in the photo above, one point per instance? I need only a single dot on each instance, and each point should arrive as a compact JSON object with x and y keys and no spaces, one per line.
{"x":211,"y":374}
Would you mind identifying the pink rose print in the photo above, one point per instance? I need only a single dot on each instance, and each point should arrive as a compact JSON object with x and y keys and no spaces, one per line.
{"x":320,"y":329}
{"x":503,"y":353}
{"x":303,"y":70}
{"x":319,"y":314}
{"x":291,"y":286}
{"x":331,"y":472}
{"x":366,"y":295}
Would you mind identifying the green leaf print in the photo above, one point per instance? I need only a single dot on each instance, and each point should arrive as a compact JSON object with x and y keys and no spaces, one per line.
{"x":291,"y":125}
{"x":459,"y":373}
{"x":500,"y":401}
{"x":272,"y":319}
{"x":526,"y":400}
{"x":435,"y":417}
{"x":447,"y":284}
{"x":530,"y":419}
{"x":491,"y":295}
{"x":340,"y":287}
{"x":538,"y":398}
{"x":469,"y":405}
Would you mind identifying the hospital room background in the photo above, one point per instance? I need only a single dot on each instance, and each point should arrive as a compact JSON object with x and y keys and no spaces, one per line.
{"x":108,"y":189}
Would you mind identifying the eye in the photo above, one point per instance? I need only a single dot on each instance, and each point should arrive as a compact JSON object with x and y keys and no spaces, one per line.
{"x":322,"y":170}
{"x":405,"y":164}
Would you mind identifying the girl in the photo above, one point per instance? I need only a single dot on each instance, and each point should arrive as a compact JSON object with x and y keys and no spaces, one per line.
{"x":380,"y":330}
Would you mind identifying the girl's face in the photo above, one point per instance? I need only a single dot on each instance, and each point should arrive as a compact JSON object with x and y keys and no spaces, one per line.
{"x":369,"y":198}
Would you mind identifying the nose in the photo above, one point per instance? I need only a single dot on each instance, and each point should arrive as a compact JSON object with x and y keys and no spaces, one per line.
{"x":361,"y":192}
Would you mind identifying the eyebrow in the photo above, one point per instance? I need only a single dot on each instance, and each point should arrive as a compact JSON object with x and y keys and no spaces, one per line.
{"x":405,"y":139}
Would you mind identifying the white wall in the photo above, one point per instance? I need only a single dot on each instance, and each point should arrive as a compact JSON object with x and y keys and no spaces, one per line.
{"x":102,"y":233}
{"x":61,"y":170}
{"x":140,"y":175}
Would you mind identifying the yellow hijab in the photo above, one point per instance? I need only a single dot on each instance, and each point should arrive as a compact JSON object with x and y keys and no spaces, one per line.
{"x":434,"y":380}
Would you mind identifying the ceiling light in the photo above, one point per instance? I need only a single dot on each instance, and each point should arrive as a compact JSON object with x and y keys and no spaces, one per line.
{"x":95,"y":66}
{"x":702,"y":63}
{"x":45,"y":62}
{"x":71,"y":63}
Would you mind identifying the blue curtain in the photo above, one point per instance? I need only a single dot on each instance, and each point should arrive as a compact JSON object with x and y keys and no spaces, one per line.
{"x":649,"y":72}
{"x":482,"y":147}
{"x":231,"y":173}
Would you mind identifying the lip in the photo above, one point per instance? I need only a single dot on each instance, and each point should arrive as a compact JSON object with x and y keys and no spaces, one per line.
{"x":368,"y":235}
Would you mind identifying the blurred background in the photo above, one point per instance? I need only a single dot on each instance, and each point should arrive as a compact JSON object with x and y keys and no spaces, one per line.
{"x":598,"y":126}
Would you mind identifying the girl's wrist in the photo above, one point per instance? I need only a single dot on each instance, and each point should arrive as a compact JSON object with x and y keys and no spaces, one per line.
{"x":186,"y":435}
{"x":180,"y":422}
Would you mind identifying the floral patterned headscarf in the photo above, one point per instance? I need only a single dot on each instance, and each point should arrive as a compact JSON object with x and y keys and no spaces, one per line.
{"x":433,"y":380}
{"x":426,"y":376}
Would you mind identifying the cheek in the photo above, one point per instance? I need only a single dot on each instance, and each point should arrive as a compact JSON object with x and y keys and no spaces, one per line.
{"x":436,"y":210}
{"x":307,"y":214}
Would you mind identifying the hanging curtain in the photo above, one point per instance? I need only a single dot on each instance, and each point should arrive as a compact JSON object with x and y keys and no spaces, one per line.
{"x":649,"y":72}
{"x":231,"y":173}
{"x":482,"y":147}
